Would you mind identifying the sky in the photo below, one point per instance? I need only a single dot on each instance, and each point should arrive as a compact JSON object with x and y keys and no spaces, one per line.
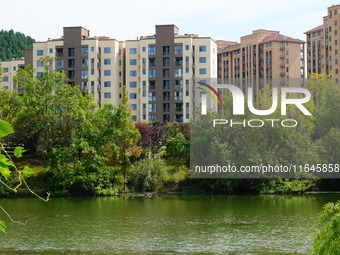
{"x":129,"y":19}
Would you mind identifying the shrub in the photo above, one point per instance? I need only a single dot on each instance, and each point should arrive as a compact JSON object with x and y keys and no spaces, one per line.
{"x":149,"y":175}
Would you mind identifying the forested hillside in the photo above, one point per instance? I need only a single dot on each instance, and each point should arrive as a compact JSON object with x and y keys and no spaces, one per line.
{"x":12,"y":44}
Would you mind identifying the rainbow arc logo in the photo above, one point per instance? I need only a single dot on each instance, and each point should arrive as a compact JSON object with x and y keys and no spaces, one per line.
{"x":208,"y":91}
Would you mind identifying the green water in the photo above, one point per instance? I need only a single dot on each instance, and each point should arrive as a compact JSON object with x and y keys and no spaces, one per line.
{"x":164,"y":225}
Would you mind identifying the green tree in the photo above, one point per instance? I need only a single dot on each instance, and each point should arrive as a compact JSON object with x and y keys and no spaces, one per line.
{"x":13,"y":44}
{"x":124,"y":145}
{"x":327,"y":239}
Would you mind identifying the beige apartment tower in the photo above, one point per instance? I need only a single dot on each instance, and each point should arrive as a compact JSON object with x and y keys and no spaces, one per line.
{"x":263,"y":57}
{"x":323,"y":45}
{"x":96,"y":64}
{"x":161,"y":70}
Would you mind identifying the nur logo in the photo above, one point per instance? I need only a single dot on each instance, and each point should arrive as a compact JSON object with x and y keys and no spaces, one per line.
{"x":239,"y":99}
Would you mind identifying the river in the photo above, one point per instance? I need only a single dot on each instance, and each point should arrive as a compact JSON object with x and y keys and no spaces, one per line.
{"x":164,"y":225}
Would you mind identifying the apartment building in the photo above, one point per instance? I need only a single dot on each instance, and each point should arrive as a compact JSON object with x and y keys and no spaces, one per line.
{"x":323,"y":45}
{"x":263,"y":57}
{"x":9,"y":70}
{"x":96,"y":64}
{"x":161,"y":70}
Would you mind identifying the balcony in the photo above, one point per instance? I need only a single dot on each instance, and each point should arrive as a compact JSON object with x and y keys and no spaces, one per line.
{"x":282,"y":74}
{"x":282,"y":47}
{"x":282,"y":65}
{"x":282,"y":56}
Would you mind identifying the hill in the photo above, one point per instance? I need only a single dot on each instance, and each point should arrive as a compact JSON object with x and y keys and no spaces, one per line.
{"x":12,"y":44}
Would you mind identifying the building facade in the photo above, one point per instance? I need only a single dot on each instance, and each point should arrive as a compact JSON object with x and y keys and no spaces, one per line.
{"x":96,"y":64}
{"x":263,"y":57}
{"x":161,"y":70}
{"x":9,"y":70}
{"x":323,"y":45}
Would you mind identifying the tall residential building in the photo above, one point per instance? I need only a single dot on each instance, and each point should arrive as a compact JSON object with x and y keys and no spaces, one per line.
{"x":263,"y":57}
{"x":323,"y":45}
{"x":161,"y":70}
{"x":94,"y":63}
{"x":9,"y":70}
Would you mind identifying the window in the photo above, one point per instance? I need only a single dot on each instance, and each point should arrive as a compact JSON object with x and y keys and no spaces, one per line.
{"x":178,"y":84}
{"x":133,"y":95}
{"x":166,"y":73}
{"x":84,"y":51}
{"x":133,"y":62}
{"x":152,"y":107}
{"x":39,"y":74}
{"x":203,"y":71}
{"x":166,"y":50}
{"x":134,"y":118}
{"x":336,"y":52}
{"x":166,"y":96}
{"x":107,"y":61}
{"x":152,"y":96}
{"x":178,"y":72}
{"x":166,"y":61}
{"x":70,"y":52}
{"x":107,"y":72}
{"x":92,"y":49}
{"x":335,"y":22}
{"x":14,"y":68}
{"x":178,"y":49}
{"x":133,"y":84}
{"x":107,"y":84}
{"x":152,"y":50}
{"x":107,"y":95}
{"x":133,"y":73}
{"x":40,"y":52}
{"x":71,"y":63}
{"x":143,"y":48}
{"x":84,"y":74}
{"x":84,"y":62}
{"x":71,"y":74}
{"x":152,"y":73}
{"x":152,"y":117}
{"x":166,"y":84}
{"x":40,"y":63}
{"x":202,"y":48}
{"x":166,"y":107}
{"x":133,"y":51}
{"x":107,"y":50}
{"x":5,"y":69}
{"x":203,"y":60}
{"x":178,"y":95}
{"x":186,"y":47}
{"x":133,"y":107}
{"x":5,"y":79}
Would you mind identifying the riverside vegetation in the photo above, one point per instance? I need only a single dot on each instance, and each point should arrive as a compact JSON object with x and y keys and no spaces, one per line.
{"x":77,"y":148}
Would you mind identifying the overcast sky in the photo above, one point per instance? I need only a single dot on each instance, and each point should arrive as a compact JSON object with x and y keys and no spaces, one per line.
{"x":123,"y":20}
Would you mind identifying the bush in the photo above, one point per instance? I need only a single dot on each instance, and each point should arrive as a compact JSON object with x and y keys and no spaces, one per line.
{"x":327,"y":240}
{"x":149,"y":175}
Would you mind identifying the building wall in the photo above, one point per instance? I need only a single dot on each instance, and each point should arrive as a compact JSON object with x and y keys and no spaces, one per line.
{"x":323,"y":45}
{"x":9,"y":70}
{"x":161,"y":70}
{"x":95,"y":64}
{"x":263,"y":57}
